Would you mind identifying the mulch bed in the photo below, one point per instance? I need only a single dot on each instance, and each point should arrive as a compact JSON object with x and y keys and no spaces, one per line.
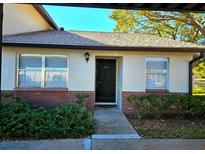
{"x":175,"y":127}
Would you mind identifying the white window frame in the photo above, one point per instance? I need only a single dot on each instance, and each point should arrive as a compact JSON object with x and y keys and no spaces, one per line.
{"x":43,"y":69}
{"x":166,"y":59}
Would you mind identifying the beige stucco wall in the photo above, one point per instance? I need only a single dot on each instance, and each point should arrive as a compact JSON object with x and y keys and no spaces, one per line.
{"x":177,"y":71}
{"x":21,"y":18}
{"x":82,"y":74}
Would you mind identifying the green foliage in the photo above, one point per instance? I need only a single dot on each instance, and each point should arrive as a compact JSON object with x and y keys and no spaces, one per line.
{"x":192,"y":106}
{"x":80,"y":98}
{"x":159,"y":105}
{"x":199,"y":90}
{"x":138,"y":103}
{"x":8,"y":98}
{"x":174,"y":25}
{"x":199,"y":70}
{"x":199,"y":78}
{"x":156,"y":105}
{"x":21,"y":120}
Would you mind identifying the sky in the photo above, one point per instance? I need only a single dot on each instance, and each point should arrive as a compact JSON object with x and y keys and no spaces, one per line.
{"x":83,"y":19}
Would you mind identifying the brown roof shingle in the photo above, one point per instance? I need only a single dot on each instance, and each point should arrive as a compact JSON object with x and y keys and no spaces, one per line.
{"x":97,"y":39}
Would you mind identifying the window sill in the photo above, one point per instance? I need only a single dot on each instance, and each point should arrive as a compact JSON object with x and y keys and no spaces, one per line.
{"x":157,"y":91}
{"x":41,"y":89}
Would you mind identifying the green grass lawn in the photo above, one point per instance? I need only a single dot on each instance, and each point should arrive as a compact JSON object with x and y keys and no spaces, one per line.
{"x":170,"y":128}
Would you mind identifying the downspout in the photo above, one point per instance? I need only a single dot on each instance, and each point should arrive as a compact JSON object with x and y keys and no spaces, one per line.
{"x":190,"y":70}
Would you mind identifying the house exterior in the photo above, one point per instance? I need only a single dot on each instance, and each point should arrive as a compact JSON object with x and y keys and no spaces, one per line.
{"x":48,"y":66}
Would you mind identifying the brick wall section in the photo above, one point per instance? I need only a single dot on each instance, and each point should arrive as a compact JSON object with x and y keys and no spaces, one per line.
{"x":128,"y":108}
{"x":52,"y":98}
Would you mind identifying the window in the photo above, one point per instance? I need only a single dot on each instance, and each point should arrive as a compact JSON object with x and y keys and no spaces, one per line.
{"x":42,"y":71}
{"x":157,"y":74}
{"x":55,"y":71}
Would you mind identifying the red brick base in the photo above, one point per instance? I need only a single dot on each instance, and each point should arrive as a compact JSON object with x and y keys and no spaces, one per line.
{"x":129,"y":108}
{"x":52,"y":98}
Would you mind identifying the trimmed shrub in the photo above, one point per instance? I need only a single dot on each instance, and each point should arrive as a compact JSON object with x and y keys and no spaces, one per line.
{"x":159,"y":105}
{"x":21,"y":120}
{"x":192,"y":106}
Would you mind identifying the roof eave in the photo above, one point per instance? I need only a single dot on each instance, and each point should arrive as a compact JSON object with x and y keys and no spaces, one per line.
{"x":118,"y":48}
{"x":46,"y":16}
{"x":179,"y":7}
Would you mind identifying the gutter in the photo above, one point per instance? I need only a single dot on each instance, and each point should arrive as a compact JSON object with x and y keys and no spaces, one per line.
{"x":191,"y":64}
{"x":108,"y":48}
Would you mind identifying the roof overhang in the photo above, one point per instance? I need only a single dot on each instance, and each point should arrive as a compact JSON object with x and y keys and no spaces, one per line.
{"x":179,"y":7}
{"x":115,"y":48}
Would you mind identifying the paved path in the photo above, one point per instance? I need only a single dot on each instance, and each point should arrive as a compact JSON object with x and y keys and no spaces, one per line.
{"x":111,"y":121}
{"x":148,"y":144}
{"x":106,"y":144}
{"x":61,"y":144}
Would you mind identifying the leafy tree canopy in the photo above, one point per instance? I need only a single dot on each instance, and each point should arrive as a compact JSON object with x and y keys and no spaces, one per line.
{"x":189,"y":27}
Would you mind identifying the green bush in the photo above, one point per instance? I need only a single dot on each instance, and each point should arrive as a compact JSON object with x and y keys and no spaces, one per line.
{"x":23,"y":121}
{"x":192,"y":106}
{"x":80,"y":98}
{"x":155,"y":105}
{"x":160,"y":105}
{"x":9,"y":98}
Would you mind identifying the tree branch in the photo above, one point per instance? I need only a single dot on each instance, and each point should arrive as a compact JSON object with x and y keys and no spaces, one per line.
{"x":195,"y":23}
{"x":195,"y":35}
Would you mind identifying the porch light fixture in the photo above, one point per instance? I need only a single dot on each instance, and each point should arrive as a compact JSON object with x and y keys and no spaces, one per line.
{"x":87,"y":56}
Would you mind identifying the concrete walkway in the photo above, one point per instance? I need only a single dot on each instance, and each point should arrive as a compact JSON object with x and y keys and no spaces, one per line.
{"x":111,"y":121}
{"x":61,"y":144}
{"x":105,"y":144}
{"x":149,"y":144}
